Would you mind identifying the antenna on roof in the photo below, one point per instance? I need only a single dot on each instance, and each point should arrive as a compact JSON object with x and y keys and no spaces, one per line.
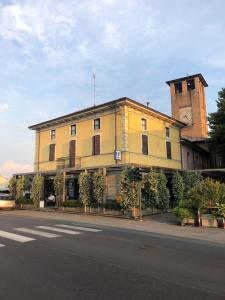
{"x":94,"y":77}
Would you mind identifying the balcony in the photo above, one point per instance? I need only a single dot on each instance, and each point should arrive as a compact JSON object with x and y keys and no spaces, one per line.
{"x":66,"y":162}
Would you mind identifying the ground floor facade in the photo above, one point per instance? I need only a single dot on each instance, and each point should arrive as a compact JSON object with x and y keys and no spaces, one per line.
{"x":112,"y":177}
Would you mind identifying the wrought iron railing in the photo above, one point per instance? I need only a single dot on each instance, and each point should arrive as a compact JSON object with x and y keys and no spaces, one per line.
{"x":67,"y":162}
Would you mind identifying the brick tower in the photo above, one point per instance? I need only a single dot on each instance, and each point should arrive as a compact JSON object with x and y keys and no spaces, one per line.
{"x":189,"y":106}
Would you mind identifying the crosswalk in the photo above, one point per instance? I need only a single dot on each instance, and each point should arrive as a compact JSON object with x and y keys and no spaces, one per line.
{"x":49,"y":232}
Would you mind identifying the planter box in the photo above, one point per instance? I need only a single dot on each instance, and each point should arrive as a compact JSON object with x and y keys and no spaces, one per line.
{"x":188,"y":221}
{"x":73,"y":209}
{"x":209,"y":222}
{"x":220,"y":222}
{"x":27,"y":206}
{"x":112,"y":212}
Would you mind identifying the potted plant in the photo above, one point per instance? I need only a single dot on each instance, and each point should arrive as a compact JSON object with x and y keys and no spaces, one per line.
{"x":185,"y":215}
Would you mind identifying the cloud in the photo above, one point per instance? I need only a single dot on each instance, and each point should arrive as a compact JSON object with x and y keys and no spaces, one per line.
{"x":112,"y":36}
{"x":10,"y":167}
{"x":4,"y":107}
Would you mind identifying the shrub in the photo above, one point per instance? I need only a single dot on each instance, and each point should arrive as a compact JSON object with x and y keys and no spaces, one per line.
{"x":163,"y":191}
{"x":20,"y":184}
{"x":98,"y":187}
{"x":191,"y":179}
{"x":182,"y":213}
{"x":112,"y":205}
{"x":12,"y":187}
{"x":85,"y":185}
{"x":72,"y":203}
{"x":128,"y":189}
{"x":178,"y":187}
{"x":150,"y":184}
{"x":25,"y":200}
{"x":206,"y":194}
{"x":58,"y":187}
{"x":37,"y":188}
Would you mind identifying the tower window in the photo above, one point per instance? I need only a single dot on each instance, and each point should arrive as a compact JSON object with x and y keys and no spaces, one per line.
{"x":178,"y":87}
{"x":190,"y":84}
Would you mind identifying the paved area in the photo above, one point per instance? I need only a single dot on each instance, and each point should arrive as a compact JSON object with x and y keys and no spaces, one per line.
{"x":156,"y":224}
{"x":59,"y":256}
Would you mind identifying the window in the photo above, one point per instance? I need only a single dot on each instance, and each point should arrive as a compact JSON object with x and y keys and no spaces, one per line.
{"x":52,"y":152}
{"x":96,"y":145}
{"x":53,"y":134}
{"x":144,"y":124}
{"x":72,"y":153}
{"x":96,"y":124}
{"x":73,"y":129}
{"x":178,"y":87}
{"x":168,"y":150}
{"x":145,"y":144}
{"x":190,"y":84}
{"x":167,"y":132}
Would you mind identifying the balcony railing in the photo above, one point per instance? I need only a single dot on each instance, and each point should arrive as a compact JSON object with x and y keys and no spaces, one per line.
{"x":66,"y":162}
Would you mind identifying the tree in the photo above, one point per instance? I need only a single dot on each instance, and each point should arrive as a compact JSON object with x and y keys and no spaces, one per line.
{"x":178,"y":187}
{"x":12,"y":186}
{"x":58,"y":187}
{"x":20,"y":185}
{"x":163,"y":191}
{"x":85,"y":186}
{"x":98,"y":186}
{"x":217,"y":126}
{"x":191,"y":179}
{"x":150,"y":185}
{"x":37,"y":188}
{"x":128,"y":189}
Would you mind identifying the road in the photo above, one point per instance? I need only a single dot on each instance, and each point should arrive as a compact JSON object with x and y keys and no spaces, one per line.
{"x":58,"y":259}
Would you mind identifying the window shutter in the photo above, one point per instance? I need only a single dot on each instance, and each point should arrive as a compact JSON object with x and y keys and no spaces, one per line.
{"x":52,"y":152}
{"x":145,"y":144}
{"x":168,"y":150}
{"x":96,"y":145}
{"x":72,"y":153}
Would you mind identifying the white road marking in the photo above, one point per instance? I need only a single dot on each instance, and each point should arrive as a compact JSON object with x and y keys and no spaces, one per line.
{"x":58,"y":230}
{"x":1,"y":245}
{"x":38,"y":232}
{"x":78,"y":228}
{"x":15,"y":237}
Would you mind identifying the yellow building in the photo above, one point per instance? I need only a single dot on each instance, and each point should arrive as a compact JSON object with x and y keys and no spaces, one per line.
{"x":109,"y":136}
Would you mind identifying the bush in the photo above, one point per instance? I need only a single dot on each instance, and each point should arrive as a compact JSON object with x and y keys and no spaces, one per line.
{"x":182,"y":213}
{"x":163,"y":191}
{"x":178,"y":187}
{"x":112,"y":205}
{"x":24,"y":200}
{"x":191,"y":180}
{"x":72,"y":203}
{"x":207,"y":194}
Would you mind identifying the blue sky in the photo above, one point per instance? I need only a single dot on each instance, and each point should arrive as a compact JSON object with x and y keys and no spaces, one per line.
{"x":49,"y":50}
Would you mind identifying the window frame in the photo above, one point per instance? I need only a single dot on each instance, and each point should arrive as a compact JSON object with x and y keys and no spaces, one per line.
{"x":53,"y":136}
{"x":168,"y":153}
{"x":142,"y":144}
{"x":168,"y":131}
{"x":94,"y":125}
{"x":144,"y":124}
{"x":71,"y":126}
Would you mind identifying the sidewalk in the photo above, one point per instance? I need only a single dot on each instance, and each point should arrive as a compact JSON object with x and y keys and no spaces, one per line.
{"x":155,"y":224}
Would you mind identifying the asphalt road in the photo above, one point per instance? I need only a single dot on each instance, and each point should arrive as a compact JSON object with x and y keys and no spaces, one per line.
{"x":107,"y":264}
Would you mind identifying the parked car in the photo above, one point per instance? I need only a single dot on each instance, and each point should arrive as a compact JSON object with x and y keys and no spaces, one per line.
{"x":6,"y":202}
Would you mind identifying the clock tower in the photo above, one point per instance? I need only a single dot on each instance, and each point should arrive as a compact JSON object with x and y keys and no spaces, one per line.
{"x":189,"y":106}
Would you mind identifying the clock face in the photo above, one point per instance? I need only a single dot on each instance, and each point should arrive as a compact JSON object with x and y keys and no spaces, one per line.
{"x":186,"y":115}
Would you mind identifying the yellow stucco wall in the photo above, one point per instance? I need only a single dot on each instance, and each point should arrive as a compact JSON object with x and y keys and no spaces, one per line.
{"x":156,"y":132}
{"x":129,"y":133}
{"x":85,"y":131}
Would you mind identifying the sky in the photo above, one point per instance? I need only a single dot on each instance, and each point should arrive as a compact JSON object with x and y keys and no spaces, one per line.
{"x":49,"y":50}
